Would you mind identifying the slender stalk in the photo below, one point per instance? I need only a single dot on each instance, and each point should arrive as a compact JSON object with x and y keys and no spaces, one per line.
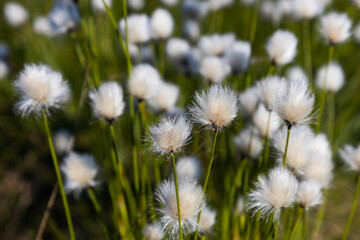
{"x":207,"y":178}
{"x":177,"y":195}
{"x":307,"y":49}
{"x":276,"y":229}
{"x":286,"y":146}
{"x":254,"y":19}
{"x":58,"y":175}
{"x":304,"y":226}
{"x":320,"y":216}
{"x":323,"y":91}
{"x":162,"y":58}
{"x":271,"y":70}
{"x":297,"y":222}
{"x":266,"y":147}
{"x":353,"y":208}
{"x":331,"y":115}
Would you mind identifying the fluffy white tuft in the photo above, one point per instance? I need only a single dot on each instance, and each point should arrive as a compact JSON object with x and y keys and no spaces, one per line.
{"x":351,"y":156}
{"x":170,"y":135}
{"x":61,"y":141}
{"x":99,"y":6}
{"x":238,"y":56}
{"x":15,"y":14}
{"x":263,"y":124}
{"x":139,"y":30}
{"x":107,"y":102}
{"x":295,"y":73}
{"x":272,"y":193}
{"x":189,"y":167}
{"x":215,"y":107}
{"x":64,"y":16}
{"x":216,"y":44}
{"x":207,"y":220}
{"x":40,"y":88}
{"x":42,"y":26}
{"x":281,"y":47}
{"x":307,"y":9}
{"x":309,"y":193}
{"x":162,"y":23}
{"x":269,"y":87}
{"x":248,"y":101}
{"x":335,"y":27}
{"x":249,"y":143}
{"x":214,"y":69}
{"x":153,"y":232}
{"x":177,"y":48}
{"x":330,"y":77}
{"x":165,"y":97}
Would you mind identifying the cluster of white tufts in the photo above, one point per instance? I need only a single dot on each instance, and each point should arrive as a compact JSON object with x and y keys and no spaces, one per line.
{"x":330,"y":77}
{"x":281,"y":47}
{"x":335,"y":27}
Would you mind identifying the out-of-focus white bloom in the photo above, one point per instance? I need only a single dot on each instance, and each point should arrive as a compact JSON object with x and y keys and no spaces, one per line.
{"x":162,"y":23}
{"x":238,"y":56}
{"x":307,"y":9}
{"x":191,"y":29}
{"x":263,"y":124}
{"x":177,"y":48}
{"x":80,"y":171}
{"x":215,"y":107}
{"x":43,"y":26}
{"x":139,"y":29}
{"x":319,"y":166}
{"x":351,"y":156}
{"x":214,"y":69}
{"x":248,"y":101}
{"x":298,"y":149}
{"x":269,"y":88}
{"x":296,"y":72}
{"x":216,"y":44}
{"x":165,"y":97}
{"x":249,"y":143}
{"x":99,"y":6}
{"x":216,"y":5}
{"x":15,"y":14}
{"x":247,"y":2}
{"x":153,"y":232}
{"x":357,"y":3}
{"x":107,"y":102}
{"x":169,"y":2}
{"x":194,"y":9}
{"x":144,"y":81}
{"x":64,"y":16}
{"x":271,"y":11}
{"x":286,"y":6}
{"x":61,"y":140}
{"x":240,"y":205}
{"x":40,"y":88}
{"x":335,"y":27}
{"x":330,"y":77}
{"x":281,"y":47}
{"x":136,"y":5}
{"x":191,"y":202}
{"x":4,"y":70}
{"x":356,"y":32}
{"x":170,"y":135}
{"x":189,"y":167}
{"x":273,"y":192}
{"x":207,"y":220}
{"x":296,"y":103}
{"x":309,"y":193}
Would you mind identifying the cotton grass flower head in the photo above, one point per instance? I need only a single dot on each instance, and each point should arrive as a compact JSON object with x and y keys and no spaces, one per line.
{"x":99,"y":6}
{"x":269,"y":87}
{"x":139,"y":28}
{"x":4,"y":69}
{"x":189,"y":167}
{"x":153,"y":232}
{"x":214,"y":69}
{"x":215,"y":107}
{"x":307,"y":9}
{"x":335,"y":27}
{"x":162,"y":23}
{"x":15,"y":14}
{"x":330,"y":77}
{"x":40,"y":88}
{"x":264,"y":125}
{"x":309,"y":194}
{"x":195,"y":10}
{"x":61,"y":140}
{"x":191,"y":29}
{"x":216,"y":44}
{"x":207,"y":220}
{"x":80,"y":171}
{"x":43,"y":26}
{"x":271,"y":11}
{"x":170,"y":3}
{"x":248,"y":101}
{"x":216,"y":5}
{"x":64,"y":16}
{"x":143,"y":81}
{"x":296,"y":72}
{"x":298,"y":148}
{"x":281,"y":47}
{"x":191,"y":203}
{"x":272,"y":193}
{"x":136,"y":5}
{"x":351,"y":157}
{"x":240,"y":206}
{"x":170,"y":135}
{"x":249,"y":143}
{"x":165,"y":97}
{"x":296,"y":103}
{"x":238,"y":56}
{"x":107,"y":102}
{"x":177,"y":48}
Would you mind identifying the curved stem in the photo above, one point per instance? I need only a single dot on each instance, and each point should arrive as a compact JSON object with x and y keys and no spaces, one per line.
{"x":266,"y":143}
{"x":58,"y":175}
{"x":352,"y":213}
{"x":286,"y":146}
{"x":177,"y":195}
{"x":298,"y":219}
{"x":303,"y":233}
{"x":276,"y":229}
{"x":207,"y":179}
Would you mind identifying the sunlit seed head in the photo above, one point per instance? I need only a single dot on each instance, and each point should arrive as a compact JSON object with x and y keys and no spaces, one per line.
{"x":215,"y":107}
{"x":335,"y":27}
{"x":64,"y":17}
{"x":269,"y":87}
{"x":238,"y":56}
{"x":307,"y":9}
{"x":62,"y":140}
{"x":270,"y":11}
{"x":189,"y":167}
{"x":165,"y":97}
{"x":309,"y":193}
{"x":295,"y":73}
{"x":351,"y":156}
{"x":153,"y":232}
{"x":177,"y":48}
{"x":40,"y":88}
{"x":266,"y":122}
{"x":138,"y":28}
{"x":214,"y":69}
{"x":249,"y":143}
{"x":216,"y":44}
{"x":136,"y":5}
{"x":43,"y":26}
{"x":15,"y":14}
{"x":248,"y":101}
{"x":207,"y":220}
{"x":281,"y":47}
{"x":330,"y":77}
{"x":162,"y":24}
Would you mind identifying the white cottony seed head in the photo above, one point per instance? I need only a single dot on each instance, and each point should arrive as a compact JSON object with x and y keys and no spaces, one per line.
{"x":295,"y":73}
{"x":214,"y":69}
{"x":99,"y":6}
{"x":177,"y":48}
{"x":189,"y":167}
{"x":153,"y":232}
{"x":335,"y":27}
{"x":162,"y":23}
{"x":248,"y":101}
{"x":216,"y":44}
{"x":15,"y":14}
{"x":207,"y":220}
{"x":307,"y":9}
{"x":351,"y":156}
{"x":281,"y":47}
{"x":330,"y":77}
{"x":309,"y":193}
{"x":139,"y":30}
{"x":165,"y":97}
{"x":249,"y":143}
{"x":238,"y":56}
{"x":269,"y":87}
{"x":266,"y":122}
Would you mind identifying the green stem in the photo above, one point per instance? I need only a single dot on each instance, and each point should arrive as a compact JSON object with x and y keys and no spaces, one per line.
{"x":162,"y":58}
{"x":304,"y":226}
{"x":286,"y":146}
{"x":207,"y":179}
{"x":352,"y":213}
{"x":266,"y":151}
{"x":307,"y":50}
{"x":58,"y":175}
{"x":323,"y":90}
{"x":254,"y":19}
{"x":177,"y":195}
{"x":276,"y":229}
{"x":271,"y":70}
{"x":297,"y":222}
{"x":331,"y":115}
